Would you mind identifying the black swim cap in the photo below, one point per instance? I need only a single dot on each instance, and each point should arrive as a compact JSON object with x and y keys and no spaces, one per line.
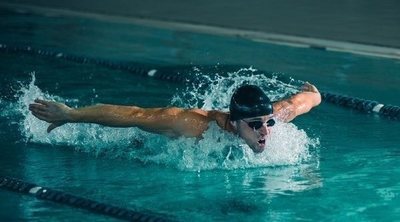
{"x":249,"y":101}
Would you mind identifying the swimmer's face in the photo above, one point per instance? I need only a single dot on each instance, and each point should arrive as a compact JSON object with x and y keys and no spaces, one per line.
{"x":254,"y":131}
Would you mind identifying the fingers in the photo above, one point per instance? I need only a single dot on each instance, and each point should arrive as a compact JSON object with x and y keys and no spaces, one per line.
{"x":37,"y":107}
{"x":43,"y":102}
{"x":42,"y":110}
{"x":39,"y":110}
{"x":308,"y":87}
{"x":304,"y":88}
{"x":41,"y":115}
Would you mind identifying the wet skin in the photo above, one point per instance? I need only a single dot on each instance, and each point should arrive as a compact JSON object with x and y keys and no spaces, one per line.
{"x":255,"y":138}
{"x":174,"y":121}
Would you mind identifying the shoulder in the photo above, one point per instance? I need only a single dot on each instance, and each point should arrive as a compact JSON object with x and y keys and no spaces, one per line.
{"x":199,"y":112}
{"x":203,"y":117}
{"x":217,"y":115}
{"x":208,"y":114}
{"x":222,"y":119}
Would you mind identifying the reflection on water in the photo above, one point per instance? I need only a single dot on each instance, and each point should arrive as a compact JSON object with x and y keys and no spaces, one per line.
{"x":245,"y":193}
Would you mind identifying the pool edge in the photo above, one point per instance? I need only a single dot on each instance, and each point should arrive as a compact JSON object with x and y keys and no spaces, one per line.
{"x":257,"y":36}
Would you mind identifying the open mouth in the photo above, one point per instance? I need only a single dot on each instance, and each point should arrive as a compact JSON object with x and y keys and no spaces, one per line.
{"x":261,"y":142}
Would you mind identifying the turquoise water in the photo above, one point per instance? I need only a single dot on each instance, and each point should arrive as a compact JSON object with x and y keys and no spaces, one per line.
{"x":332,"y":164}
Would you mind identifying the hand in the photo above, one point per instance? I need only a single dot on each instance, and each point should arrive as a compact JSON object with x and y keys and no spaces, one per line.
{"x":307,"y":87}
{"x":57,"y":114}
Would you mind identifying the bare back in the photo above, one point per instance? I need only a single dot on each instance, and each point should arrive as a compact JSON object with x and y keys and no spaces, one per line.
{"x":176,"y":122}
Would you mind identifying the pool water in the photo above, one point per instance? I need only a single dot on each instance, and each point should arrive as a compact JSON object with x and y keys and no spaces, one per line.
{"x":332,"y":164}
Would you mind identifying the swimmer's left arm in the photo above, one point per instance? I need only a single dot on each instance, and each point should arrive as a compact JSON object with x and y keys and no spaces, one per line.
{"x":298,"y":104}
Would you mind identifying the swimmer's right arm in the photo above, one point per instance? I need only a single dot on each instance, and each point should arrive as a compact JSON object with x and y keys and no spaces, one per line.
{"x":168,"y":121}
{"x":298,"y":104}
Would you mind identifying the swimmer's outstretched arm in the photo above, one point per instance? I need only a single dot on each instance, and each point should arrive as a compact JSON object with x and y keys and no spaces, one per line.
{"x":168,"y":121}
{"x":298,"y":104}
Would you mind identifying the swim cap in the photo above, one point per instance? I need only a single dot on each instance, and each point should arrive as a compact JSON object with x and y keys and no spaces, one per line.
{"x":249,"y":101}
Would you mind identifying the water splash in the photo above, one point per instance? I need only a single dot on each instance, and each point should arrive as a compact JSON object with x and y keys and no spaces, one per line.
{"x":214,"y":91}
{"x":221,"y":150}
{"x":287,"y":144}
{"x":217,"y":150}
{"x":84,"y":137}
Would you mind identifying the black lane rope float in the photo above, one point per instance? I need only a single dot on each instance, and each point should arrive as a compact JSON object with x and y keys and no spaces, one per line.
{"x":185,"y":74}
{"x":177,"y":73}
{"x":363,"y":105}
{"x":44,"y":193}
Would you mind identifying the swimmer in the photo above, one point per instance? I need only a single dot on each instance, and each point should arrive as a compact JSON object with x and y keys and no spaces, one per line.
{"x":251,"y":115}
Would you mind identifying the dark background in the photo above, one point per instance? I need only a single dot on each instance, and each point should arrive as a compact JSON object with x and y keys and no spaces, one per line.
{"x":372,"y":22}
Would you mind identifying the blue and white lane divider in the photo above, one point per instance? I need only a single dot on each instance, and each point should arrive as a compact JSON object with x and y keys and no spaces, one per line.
{"x":182,"y":74}
{"x":363,"y":105}
{"x":45,"y":193}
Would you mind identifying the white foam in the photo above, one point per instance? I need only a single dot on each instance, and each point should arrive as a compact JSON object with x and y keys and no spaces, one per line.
{"x":214,"y":93}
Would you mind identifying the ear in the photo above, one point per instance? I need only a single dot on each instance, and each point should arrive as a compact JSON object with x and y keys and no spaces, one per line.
{"x":235,"y":124}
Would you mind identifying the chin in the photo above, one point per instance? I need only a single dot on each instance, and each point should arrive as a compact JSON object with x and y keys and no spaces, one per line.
{"x":258,"y":149}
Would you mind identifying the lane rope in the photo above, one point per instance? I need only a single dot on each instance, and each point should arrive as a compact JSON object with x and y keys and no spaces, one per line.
{"x":368,"y":106}
{"x":45,"y":193}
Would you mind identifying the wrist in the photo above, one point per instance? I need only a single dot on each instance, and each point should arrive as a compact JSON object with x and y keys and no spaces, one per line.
{"x":71,"y":115}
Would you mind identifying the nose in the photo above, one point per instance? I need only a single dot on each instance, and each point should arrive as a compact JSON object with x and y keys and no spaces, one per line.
{"x":264,"y":130}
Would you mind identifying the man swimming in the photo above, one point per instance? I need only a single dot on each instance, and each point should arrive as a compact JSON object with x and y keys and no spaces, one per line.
{"x":251,"y":115}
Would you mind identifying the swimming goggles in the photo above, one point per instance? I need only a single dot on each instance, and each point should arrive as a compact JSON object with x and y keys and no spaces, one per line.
{"x":258,"y":124}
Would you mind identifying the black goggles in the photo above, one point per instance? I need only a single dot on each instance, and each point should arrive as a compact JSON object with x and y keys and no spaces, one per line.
{"x":258,"y":124}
